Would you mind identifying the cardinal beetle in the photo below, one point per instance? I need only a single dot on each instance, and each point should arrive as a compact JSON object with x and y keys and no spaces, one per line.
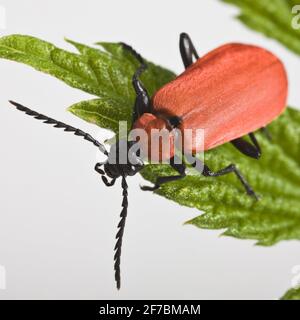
{"x":230,"y":92}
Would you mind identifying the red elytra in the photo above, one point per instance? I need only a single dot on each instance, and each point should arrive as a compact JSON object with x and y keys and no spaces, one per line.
{"x":230,"y":92}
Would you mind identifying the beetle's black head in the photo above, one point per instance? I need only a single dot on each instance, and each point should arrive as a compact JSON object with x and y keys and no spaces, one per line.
{"x":123,"y":160}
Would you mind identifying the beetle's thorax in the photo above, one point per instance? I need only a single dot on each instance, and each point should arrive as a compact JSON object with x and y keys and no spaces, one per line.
{"x":156,"y":127}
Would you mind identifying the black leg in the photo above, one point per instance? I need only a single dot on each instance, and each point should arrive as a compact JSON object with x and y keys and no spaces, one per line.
{"x":229,"y":169}
{"x":266,"y":132}
{"x":187,"y":50}
{"x":108,"y":183}
{"x":253,"y":151}
{"x":255,"y":142}
{"x":180,"y":168}
{"x":142,"y":102}
{"x":102,"y":173}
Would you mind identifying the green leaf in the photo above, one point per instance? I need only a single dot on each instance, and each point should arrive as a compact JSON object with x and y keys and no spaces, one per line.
{"x":43,"y":56}
{"x":105,"y":113}
{"x":292,"y":294}
{"x":272,"y":18}
{"x":106,"y":71}
{"x":105,"y":74}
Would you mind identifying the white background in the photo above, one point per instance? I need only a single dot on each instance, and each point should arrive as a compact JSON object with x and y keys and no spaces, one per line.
{"x":58,"y":221}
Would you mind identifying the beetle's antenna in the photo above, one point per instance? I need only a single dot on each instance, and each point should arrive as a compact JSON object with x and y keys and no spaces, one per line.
{"x":119,"y":236}
{"x":58,"y":124}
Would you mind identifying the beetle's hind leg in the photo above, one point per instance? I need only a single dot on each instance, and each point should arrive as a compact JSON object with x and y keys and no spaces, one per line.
{"x":250,"y":150}
{"x":266,"y":133}
{"x":207,"y":172}
{"x":179,"y":167}
{"x":187,"y":50}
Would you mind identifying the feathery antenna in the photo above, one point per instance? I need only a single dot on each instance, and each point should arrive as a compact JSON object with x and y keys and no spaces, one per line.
{"x":58,"y":124}
{"x":119,"y":236}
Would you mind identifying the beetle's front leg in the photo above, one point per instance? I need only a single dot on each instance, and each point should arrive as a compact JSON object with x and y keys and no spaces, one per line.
{"x":102,"y":173}
{"x":180,"y":168}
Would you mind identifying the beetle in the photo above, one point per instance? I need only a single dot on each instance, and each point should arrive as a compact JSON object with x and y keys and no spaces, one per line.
{"x":230,"y":92}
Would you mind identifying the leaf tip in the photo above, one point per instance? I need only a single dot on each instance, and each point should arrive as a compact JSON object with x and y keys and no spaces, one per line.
{"x":71,"y":109}
{"x":188,"y":222}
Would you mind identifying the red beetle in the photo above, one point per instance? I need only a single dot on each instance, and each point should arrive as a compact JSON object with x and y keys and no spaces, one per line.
{"x":230,"y":92}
